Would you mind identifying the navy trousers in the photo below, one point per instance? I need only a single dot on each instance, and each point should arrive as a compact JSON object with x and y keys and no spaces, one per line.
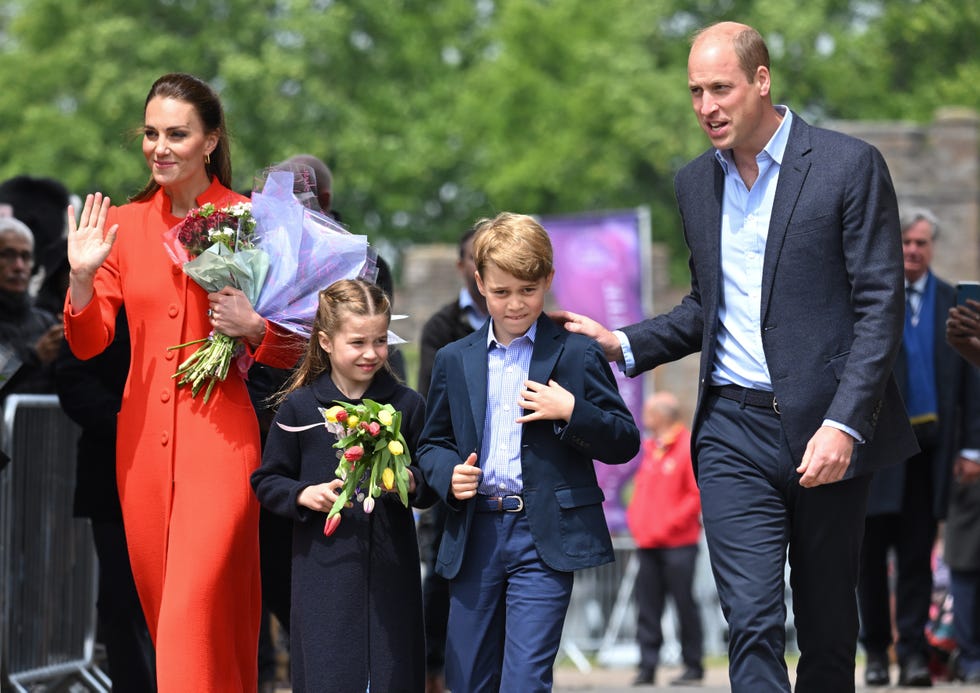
{"x":663,"y":572}
{"x":912,"y":533}
{"x":754,"y":510}
{"x":506,"y":610}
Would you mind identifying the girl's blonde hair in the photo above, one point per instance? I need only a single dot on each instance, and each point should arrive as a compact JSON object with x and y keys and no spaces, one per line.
{"x":337,"y":301}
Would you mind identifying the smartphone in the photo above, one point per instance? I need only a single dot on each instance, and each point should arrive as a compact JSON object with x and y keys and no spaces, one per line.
{"x":965,"y":290}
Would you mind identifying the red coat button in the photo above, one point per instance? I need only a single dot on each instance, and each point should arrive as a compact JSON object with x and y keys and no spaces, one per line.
{"x":173,"y":310}
{"x":165,"y":397}
{"x":164,"y":438}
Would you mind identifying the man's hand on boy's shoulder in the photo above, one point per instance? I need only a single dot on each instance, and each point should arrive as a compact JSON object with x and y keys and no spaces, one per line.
{"x":584,"y":325}
{"x":549,"y":402}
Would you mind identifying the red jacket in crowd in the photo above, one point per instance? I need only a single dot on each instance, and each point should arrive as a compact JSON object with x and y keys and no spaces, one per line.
{"x":666,"y":508}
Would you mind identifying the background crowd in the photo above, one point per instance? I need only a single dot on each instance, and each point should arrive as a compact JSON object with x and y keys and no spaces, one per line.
{"x":910,"y":496}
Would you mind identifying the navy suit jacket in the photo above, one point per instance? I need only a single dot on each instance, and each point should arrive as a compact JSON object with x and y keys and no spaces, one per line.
{"x":562,"y":500}
{"x":832,"y":303}
{"x":958,"y":390}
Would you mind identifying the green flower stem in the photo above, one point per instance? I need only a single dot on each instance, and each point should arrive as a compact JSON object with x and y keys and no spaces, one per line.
{"x":208,"y":365}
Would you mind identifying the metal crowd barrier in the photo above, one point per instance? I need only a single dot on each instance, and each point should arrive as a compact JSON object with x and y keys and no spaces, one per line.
{"x":48,"y":566}
{"x":601,"y":622}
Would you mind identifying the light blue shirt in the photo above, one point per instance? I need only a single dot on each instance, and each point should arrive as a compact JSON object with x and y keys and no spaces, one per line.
{"x":500,"y":456}
{"x":474,"y":316}
{"x":745,"y":215}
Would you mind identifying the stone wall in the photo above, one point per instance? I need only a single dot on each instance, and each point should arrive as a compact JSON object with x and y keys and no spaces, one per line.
{"x":936,"y":165}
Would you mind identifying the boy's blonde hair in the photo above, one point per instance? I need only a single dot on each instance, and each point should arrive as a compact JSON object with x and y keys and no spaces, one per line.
{"x":515,"y":243}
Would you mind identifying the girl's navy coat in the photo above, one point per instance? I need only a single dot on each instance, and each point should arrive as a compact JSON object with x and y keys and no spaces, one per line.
{"x":356,"y":595}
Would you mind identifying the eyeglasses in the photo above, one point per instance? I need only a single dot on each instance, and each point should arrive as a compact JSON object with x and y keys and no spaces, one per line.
{"x":9,"y":256}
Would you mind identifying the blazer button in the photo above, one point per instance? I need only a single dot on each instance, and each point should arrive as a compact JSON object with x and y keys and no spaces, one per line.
{"x":165,"y":396}
{"x":173,"y":310}
{"x":164,"y":438}
{"x":169,"y":354}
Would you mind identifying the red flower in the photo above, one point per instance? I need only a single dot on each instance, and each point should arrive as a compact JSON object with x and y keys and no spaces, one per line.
{"x":374,"y":428}
{"x":341,"y":416}
{"x":353,"y":453}
{"x":330,"y":526}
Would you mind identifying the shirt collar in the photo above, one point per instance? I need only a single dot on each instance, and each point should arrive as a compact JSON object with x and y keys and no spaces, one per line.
{"x":775,"y":148}
{"x":531,"y":333}
{"x":467,"y":302}
{"x":919,"y":284}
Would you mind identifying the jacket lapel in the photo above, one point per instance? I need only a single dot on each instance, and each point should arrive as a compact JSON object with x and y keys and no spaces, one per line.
{"x":547,"y":347}
{"x":792,"y":174}
{"x":474,"y":358}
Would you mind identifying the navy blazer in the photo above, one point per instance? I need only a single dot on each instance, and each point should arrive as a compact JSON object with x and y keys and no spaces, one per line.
{"x":562,"y":500}
{"x":832,"y":303}
{"x":958,"y":390}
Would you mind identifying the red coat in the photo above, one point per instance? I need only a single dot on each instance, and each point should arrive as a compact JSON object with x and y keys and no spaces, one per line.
{"x":183,"y":466}
{"x":666,"y":507}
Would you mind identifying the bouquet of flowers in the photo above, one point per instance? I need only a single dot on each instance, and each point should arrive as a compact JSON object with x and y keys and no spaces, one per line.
{"x":216,"y":248}
{"x":372,"y":453}
{"x":312,"y":251}
{"x":278,"y":252}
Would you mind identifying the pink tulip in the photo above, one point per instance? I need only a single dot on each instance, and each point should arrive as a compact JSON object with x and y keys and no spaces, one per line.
{"x":330,"y":526}
{"x":353,"y":453}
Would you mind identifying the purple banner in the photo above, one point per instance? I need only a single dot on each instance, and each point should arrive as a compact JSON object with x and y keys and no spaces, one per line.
{"x":600,"y":263}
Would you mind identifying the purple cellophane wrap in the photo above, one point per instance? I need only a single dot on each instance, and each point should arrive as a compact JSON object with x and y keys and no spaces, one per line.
{"x":308,"y":252}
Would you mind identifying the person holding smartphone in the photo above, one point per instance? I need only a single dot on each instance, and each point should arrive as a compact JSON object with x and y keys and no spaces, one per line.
{"x":963,"y":517}
{"x":908,"y":500}
{"x":963,"y":322}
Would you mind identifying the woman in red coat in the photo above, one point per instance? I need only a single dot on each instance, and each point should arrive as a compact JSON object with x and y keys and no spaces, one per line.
{"x":183,"y":464}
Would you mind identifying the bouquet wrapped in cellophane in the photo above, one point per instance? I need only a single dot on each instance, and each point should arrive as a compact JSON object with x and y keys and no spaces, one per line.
{"x":373,"y":455}
{"x":216,"y":248}
{"x":278,"y":252}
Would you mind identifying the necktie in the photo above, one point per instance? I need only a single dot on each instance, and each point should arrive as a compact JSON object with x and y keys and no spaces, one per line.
{"x":912,"y":303}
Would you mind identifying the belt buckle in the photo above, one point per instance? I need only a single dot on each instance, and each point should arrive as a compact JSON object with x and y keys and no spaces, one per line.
{"x":775,"y":405}
{"x":520,"y":504}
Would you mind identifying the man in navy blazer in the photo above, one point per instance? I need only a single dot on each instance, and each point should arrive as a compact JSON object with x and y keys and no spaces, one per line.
{"x":907,"y":500}
{"x":532,"y":405}
{"x":796,"y":307}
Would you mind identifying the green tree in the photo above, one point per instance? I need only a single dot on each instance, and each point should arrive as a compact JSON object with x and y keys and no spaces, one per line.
{"x":433,"y":113}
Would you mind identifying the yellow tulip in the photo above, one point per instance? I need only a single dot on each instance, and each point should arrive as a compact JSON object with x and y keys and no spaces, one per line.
{"x":388,"y":479}
{"x":384,"y":417}
{"x":331,"y":414}
{"x":352,"y":421}
{"x":395,"y":448}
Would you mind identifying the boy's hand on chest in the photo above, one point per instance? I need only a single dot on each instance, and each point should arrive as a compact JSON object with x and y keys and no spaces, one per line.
{"x":549,"y":402}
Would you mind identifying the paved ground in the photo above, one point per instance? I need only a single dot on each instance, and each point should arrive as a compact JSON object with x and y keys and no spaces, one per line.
{"x":569,"y":680}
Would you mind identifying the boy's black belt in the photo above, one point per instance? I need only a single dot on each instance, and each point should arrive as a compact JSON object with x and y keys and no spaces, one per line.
{"x":499,"y":504}
{"x":747,"y":396}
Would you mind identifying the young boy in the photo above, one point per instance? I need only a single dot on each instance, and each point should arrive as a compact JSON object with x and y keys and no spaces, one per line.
{"x":517,"y":412}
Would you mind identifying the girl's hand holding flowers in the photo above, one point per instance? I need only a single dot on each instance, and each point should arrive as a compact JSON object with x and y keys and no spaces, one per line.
{"x":321,"y":497}
{"x":372,"y":456}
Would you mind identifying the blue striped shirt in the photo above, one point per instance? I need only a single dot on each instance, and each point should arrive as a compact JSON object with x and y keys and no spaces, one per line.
{"x":500,"y":456}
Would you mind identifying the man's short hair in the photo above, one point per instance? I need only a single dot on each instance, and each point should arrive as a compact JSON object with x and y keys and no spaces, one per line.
{"x":915,"y":214}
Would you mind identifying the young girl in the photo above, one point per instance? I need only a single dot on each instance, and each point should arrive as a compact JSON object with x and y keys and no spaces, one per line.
{"x":356,"y":614}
